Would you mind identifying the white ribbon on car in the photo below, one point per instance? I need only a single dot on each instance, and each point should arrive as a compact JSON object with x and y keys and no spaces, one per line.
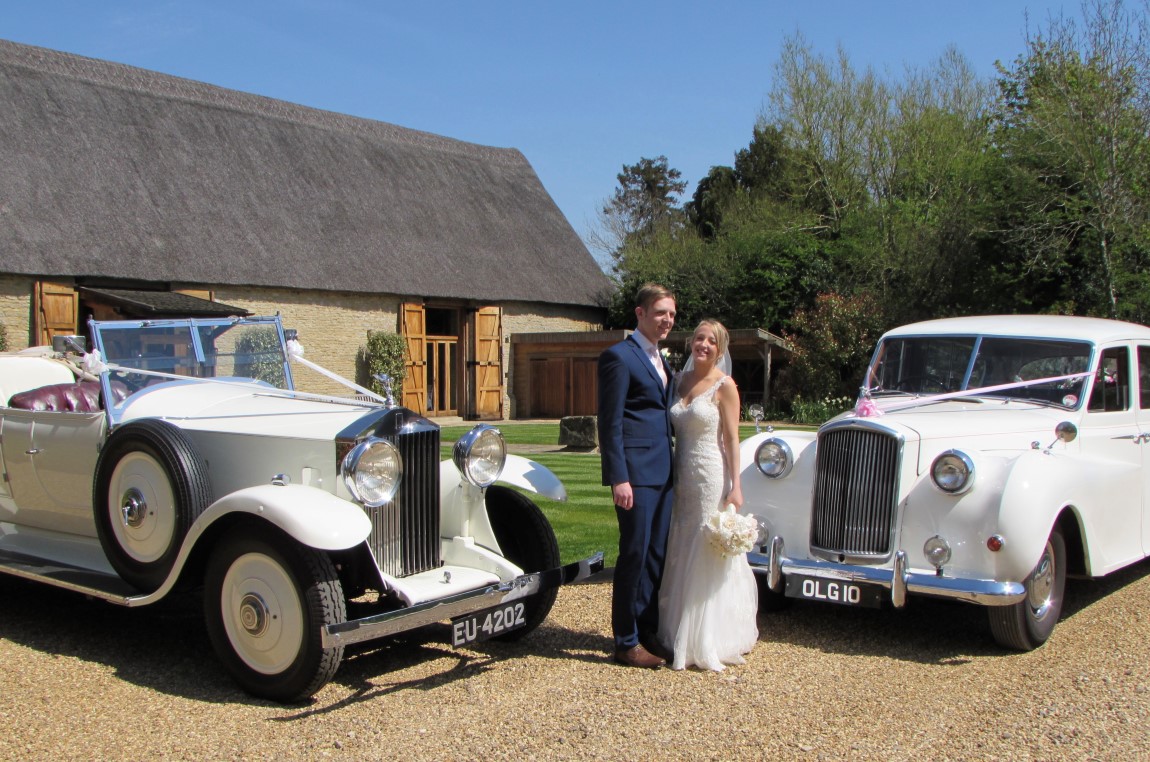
{"x":295,"y":352}
{"x":863,"y":410}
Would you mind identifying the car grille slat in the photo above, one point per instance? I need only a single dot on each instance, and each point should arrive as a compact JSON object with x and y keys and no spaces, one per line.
{"x":856,"y":491}
{"x":405,"y":532}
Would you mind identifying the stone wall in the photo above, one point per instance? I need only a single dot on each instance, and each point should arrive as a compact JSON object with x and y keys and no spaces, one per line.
{"x":332,"y":326}
{"x":16,"y":309}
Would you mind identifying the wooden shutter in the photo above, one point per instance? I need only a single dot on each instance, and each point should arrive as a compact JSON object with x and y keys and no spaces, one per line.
{"x":56,"y":310}
{"x":488,"y":363}
{"x":414,"y":330}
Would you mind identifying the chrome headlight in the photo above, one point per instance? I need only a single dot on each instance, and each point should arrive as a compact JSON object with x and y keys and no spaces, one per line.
{"x":480,"y":454}
{"x":953,"y":472}
{"x":372,"y":471}
{"x":774,"y":458}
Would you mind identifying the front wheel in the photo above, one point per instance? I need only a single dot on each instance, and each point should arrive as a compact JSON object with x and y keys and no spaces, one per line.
{"x":266,"y":599}
{"x":1027,"y":624}
{"x":528,"y":541}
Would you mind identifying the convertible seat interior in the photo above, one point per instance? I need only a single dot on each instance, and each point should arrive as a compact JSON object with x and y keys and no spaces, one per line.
{"x":79,"y":397}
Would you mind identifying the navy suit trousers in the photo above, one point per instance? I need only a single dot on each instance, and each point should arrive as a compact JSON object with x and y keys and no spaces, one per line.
{"x":643,"y":534}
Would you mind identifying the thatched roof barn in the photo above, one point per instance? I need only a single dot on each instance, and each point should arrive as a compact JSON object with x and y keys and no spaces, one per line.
{"x":115,"y":171}
{"x":118,"y":183}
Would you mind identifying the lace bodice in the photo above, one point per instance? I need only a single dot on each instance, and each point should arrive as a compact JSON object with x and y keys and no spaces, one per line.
{"x":699,"y":466}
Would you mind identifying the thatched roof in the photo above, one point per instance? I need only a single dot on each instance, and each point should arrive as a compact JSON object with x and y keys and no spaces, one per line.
{"x":116,"y":172}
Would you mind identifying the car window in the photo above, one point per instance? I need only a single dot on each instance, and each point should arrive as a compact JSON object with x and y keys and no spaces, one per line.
{"x":1111,"y":383}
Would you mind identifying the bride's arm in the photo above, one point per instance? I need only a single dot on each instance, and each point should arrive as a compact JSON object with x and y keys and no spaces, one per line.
{"x":728,"y":397}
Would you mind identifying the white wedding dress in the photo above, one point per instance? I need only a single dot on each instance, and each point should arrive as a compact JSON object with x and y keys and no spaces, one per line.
{"x":708,"y":603}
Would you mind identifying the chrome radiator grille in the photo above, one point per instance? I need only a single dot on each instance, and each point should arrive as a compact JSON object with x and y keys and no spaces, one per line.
{"x":405,"y":532}
{"x":856,"y":491}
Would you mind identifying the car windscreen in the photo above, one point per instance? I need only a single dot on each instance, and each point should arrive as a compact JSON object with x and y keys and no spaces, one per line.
{"x":239,"y":349}
{"x":942,"y":364}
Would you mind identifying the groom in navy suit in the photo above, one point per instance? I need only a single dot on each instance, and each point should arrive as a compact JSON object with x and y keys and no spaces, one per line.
{"x":635,"y":442}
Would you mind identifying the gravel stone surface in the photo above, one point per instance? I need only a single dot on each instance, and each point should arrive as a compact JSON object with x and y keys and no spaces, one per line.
{"x":82,"y":679}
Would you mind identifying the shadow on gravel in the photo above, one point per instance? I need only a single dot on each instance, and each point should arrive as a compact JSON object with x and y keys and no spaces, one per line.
{"x":165,"y":647}
{"x":926,"y":631}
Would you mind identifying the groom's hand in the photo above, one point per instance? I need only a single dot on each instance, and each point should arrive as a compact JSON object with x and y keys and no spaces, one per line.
{"x":624,"y":497}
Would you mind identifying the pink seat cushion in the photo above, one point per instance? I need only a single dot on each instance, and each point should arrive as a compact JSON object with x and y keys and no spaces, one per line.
{"x":82,"y":397}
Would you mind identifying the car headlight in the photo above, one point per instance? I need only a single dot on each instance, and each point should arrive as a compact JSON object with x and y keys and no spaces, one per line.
{"x":774,"y":458}
{"x":372,"y":471}
{"x":953,"y":472}
{"x":480,"y":454}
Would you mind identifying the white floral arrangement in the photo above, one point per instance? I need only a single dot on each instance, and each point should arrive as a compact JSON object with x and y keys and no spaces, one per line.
{"x":730,"y":532}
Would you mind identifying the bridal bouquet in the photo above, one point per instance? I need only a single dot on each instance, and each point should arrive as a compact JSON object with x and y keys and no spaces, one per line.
{"x":730,"y":532}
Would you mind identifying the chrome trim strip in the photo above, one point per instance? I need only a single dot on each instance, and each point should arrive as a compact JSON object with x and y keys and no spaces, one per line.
{"x":401,"y":620}
{"x":985,"y":592}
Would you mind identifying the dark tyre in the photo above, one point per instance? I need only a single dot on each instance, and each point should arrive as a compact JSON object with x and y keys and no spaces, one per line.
{"x":1026,"y":625}
{"x":150,"y":486}
{"x":528,"y":541}
{"x":266,"y":600}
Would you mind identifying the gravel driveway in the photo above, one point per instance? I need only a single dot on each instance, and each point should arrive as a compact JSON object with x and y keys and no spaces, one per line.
{"x":82,"y":679}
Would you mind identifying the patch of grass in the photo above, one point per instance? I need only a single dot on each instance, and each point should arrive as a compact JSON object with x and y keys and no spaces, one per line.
{"x":586,"y":522}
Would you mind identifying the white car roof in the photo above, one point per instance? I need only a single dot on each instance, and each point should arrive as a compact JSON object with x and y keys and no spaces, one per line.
{"x":1096,"y":330}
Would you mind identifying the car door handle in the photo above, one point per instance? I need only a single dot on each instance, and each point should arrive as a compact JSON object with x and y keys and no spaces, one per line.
{"x":1135,"y":438}
{"x":33,"y":451}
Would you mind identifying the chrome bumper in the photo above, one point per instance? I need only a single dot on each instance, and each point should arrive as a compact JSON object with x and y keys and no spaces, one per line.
{"x":775,"y":565}
{"x":401,"y":620}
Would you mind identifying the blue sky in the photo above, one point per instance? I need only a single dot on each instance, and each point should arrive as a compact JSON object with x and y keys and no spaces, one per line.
{"x":581,"y":88}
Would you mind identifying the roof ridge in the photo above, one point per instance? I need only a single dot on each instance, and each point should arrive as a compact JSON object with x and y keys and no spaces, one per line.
{"x":157,"y":84}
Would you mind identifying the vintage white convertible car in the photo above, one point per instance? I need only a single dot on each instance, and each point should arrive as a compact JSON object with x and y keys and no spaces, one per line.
{"x":987,"y":459}
{"x":179,"y":454}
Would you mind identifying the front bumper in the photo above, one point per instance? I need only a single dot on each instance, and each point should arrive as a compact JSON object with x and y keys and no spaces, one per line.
{"x":419,"y":615}
{"x":900,"y":580}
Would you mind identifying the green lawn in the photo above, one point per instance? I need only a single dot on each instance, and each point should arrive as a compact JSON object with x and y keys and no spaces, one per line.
{"x":585,"y":523}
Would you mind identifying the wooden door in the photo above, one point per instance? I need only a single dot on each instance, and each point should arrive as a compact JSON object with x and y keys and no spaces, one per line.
{"x":414,"y":331}
{"x":488,"y":379}
{"x":55,"y":311}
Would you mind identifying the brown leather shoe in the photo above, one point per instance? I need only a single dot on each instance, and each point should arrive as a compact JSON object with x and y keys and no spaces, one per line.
{"x":655,"y":648}
{"x":637,"y":656}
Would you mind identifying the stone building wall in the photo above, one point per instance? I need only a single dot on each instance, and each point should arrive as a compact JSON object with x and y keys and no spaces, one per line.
{"x":16,"y":309}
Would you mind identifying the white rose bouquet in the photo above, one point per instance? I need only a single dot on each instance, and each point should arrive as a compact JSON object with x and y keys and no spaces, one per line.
{"x":730,"y":532}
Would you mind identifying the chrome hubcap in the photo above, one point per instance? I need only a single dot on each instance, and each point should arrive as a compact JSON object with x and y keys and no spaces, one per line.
{"x":254,"y":615}
{"x":1042,"y":583}
{"x":133,"y":508}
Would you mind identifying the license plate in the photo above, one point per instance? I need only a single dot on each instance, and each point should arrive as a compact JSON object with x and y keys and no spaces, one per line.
{"x":834,"y":591}
{"x":473,"y":628}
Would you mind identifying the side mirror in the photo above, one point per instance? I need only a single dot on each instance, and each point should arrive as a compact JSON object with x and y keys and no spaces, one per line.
{"x":65,"y":343}
{"x":756,"y":412}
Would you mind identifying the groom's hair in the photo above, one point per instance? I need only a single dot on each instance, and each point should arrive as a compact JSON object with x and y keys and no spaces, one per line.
{"x":650,"y":293}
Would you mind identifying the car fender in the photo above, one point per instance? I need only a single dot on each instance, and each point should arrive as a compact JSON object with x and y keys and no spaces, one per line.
{"x":1042,"y":484}
{"x":310,"y":515}
{"x":782,"y":505}
{"x":517,"y":472}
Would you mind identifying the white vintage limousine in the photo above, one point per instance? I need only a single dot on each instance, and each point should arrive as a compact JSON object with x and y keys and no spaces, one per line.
{"x":987,"y":459}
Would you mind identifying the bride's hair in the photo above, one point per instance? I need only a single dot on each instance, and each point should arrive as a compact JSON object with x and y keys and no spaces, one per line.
{"x":722,"y":337}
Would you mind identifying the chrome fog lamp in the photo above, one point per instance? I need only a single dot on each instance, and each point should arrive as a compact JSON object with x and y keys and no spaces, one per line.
{"x":774,"y":458}
{"x":480,"y":454}
{"x":937,"y":551}
{"x":952,"y":472}
{"x":372,"y":471}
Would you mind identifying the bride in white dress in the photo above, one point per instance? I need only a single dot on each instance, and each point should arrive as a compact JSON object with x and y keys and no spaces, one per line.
{"x":708,"y":602}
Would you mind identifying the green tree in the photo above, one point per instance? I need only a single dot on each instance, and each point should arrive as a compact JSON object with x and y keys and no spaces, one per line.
{"x":1073,"y":124}
{"x":645,"y":204}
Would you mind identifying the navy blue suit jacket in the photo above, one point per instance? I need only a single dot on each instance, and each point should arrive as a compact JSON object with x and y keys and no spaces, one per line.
{"x":634,"y":418}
